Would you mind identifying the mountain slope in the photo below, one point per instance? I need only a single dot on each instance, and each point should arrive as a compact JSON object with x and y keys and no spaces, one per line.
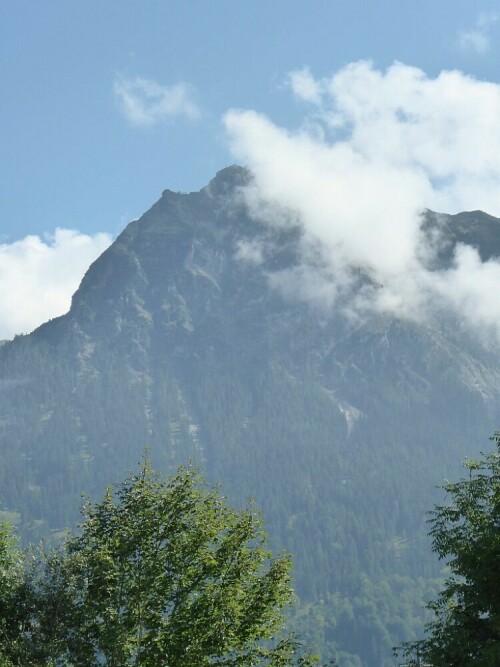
{"x":176,"y":341}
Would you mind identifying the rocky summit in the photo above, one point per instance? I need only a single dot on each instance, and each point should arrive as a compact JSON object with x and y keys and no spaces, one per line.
{"x":179,"y":341}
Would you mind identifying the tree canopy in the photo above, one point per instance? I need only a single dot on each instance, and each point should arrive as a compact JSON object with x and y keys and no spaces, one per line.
{"x":14,"y":606}
{"x":163,"y":573}
{"x":466,"y":530}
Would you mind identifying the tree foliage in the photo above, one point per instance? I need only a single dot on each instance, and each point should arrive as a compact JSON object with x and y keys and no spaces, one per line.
{"x":466,"y":531}
{"x":14,"y":601}
{"x":163,"y":572}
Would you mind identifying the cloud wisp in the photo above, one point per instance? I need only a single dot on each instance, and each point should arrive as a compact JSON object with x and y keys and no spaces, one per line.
{"x":478,"y":38}
{"x":146,"y":102}
{"x":39,"y":276}
{"x":375,"y":150}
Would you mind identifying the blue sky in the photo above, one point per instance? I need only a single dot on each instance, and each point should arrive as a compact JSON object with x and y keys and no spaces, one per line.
{"x":106,"y":103}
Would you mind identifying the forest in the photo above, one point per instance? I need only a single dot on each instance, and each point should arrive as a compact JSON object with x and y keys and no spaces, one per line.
{"x":163,"y":571}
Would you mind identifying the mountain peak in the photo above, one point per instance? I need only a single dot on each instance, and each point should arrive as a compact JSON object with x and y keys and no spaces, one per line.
{"x":228,"y":179}
{"x":339,"y":427}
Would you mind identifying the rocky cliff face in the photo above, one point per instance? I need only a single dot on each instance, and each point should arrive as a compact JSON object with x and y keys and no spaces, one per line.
{"x":176,"y":340}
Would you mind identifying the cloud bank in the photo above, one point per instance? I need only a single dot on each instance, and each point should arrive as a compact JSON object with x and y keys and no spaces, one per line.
{"x":145,"y":102}
{"x":375,"y":149}
{"x":39,"y":276}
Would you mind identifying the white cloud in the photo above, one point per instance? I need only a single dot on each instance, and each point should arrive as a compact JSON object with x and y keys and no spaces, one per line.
{"x":305,"y":86}
{"x":251,"y":251}
{"x":145,"y":102}
{"x":377,"y":149}
{"x":38,"y":276}
{"x":478,"y":38}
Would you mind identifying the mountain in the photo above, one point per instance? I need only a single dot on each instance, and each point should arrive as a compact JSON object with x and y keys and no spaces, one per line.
{"x":340,"y":431}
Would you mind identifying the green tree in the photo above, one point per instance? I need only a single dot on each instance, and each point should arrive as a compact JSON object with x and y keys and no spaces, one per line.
{"x":164,"y":572}
{"x":466,"y":531}
{"x":15,"y":601}
{"x":8,"y":586}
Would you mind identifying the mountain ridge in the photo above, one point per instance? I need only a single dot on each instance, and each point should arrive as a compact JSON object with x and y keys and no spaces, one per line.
{"x":340,"y":432}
